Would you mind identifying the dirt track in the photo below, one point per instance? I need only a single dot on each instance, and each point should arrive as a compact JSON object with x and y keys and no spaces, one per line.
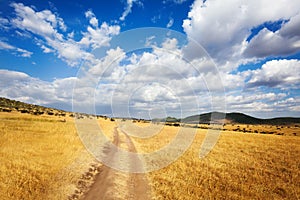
{"x":113,"y":184}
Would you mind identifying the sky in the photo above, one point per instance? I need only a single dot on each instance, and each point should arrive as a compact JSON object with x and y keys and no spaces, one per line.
{"x":148,"y":59}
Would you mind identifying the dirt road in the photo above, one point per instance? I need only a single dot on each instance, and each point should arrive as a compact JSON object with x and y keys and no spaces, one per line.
{"x":113,"y":184}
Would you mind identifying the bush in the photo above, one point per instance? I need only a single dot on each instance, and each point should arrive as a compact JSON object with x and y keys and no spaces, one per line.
{"x":176,"y":124}
{"x":6,"y":109}
{"x":24,"y":111}
{"x":50,"y":113}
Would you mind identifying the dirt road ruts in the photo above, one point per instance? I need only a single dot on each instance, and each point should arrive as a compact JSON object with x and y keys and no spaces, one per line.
{"x":113,"y":184}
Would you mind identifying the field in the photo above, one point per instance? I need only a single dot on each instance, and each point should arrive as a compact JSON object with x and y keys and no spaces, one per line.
{"x":43,"y":158}
{"x":241,"y":166}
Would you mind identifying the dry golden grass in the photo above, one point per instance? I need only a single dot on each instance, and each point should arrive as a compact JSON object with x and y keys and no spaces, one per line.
{"x":158,"y":141}
{"x":41,"y":157}
{"x":241,"y":166}
{"x":287,"y":130}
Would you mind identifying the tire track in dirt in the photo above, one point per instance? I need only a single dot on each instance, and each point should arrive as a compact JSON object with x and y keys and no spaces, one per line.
{"x":137,"y":184}
{"x":113,"y":184}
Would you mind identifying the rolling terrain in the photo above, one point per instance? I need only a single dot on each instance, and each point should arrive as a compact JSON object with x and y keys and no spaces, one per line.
{"x":42,"y":157}
{"x":238,"y":118}
{"x":233,"y":118}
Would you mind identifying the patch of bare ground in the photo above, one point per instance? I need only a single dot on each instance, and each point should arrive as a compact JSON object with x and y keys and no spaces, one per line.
{"x":104,"y":182}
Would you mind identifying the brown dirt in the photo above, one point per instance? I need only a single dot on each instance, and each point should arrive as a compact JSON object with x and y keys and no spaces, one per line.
{"x":113,"y":184}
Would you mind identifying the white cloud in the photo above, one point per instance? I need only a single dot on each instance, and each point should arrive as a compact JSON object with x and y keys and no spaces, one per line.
{"x":263,"y":105}
{"x":155,"y":92}
{"x":170,"y":44}
{"x":222,"y":28}
{"x":108,"y":64}
{"x":161,"y":77}
{"x":22,"y":87}
{"x":17,"y":51}
{"x":91,"y":16}
{"x":24,"y":53}
{"x":285,"y":41}
{"x":151,"y":79}
{"x":94,"y":21}
{"x":23,"y":34}
{"x":46,"y":49}
{"x":69,"y":51}
{"x":276,"y":73}
{"x":41,"y":23}
{"x":99,"y":36}
{"x":71,"y":35}
{"x":170,"y":23}
{"x":4,"y":45}
{"x":47,"y":26}
{"x":248,"y":98}
{"x":128,"y":8}
{"x":4,"y":23}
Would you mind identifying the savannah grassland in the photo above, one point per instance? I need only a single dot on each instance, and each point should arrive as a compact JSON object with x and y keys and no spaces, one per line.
{"x":42,"y":158}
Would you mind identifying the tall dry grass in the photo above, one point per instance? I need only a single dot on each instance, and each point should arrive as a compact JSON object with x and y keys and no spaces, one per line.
{"x":41,"y":157}
{"x":241,"y":166}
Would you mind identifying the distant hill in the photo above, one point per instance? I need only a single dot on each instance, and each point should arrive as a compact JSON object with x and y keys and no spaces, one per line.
{"x":8,"y":105}
{"x":235,"y":118}
{"x":238,"y":118}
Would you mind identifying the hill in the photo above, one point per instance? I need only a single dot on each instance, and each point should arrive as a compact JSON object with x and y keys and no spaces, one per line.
{"x":8,"y":105}
{"x":238,"y":118}
{"x":234,"y":118}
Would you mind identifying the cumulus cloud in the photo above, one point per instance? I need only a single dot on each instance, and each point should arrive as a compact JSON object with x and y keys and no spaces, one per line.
{"x":22,"y":87}
{"x":276,"y":73}
{"x":41,"y":23}
{"x":91,"y":16}
{"x":285,"y":41}
{"x":109,"y":64}
{"x":152,"y":79}
{"x":99,"y":36}
{"x":262,"y":104}
{"x":49,"y":26}
{"x":223,"y":29}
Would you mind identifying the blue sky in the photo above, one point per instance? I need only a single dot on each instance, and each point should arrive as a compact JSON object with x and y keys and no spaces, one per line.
{"x":242,"y":56}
